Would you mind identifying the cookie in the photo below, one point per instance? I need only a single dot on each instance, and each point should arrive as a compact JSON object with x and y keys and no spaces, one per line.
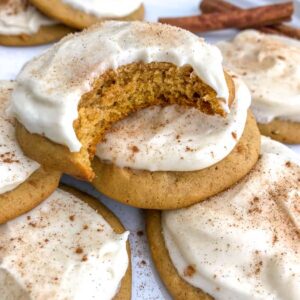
{"x":239,"y":244}
{"x":80,"y":17}
{"x":97,"y":87}
{"x":24,"y":184}
{"x":283,"y":131}
{"x":177,"y":287}
{"x":269,"y":65}
{"x":170,"y":190}
{"x":69,"y":246}
{"x":45,"y":35}
{"x":22,"y":25}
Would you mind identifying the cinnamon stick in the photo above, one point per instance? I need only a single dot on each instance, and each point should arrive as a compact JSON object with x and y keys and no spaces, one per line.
{"x":212,"y":6}
{"x":246,"y":18}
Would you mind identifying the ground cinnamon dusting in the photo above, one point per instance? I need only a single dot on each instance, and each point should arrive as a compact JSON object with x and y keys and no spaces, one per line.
{"x":78,"y":250}
{"x":84,"y":258}
{"x":189,"y":271}
{"x":135,"y":149}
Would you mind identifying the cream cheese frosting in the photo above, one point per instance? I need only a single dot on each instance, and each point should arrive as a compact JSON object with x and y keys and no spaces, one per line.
{"x":62,"y":249}
{"x":243,"y":243}
{"x":104,"y":8}
{"x":270,"y":66}
{"x":15,"y":167}
{"x":50,"y":86}
{"x":175,"y":138}
{"x":19,"y":17}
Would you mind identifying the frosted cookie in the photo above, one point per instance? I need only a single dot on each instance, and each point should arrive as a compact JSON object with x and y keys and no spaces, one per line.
{"x":22,"y":25}
{"x":81,"y":14}
{"x":67,"y":98}
{"x":69,"y":247}
{"x":23,"y":183}
{"x":270,"y":65}
{"x":173,"y":157}
{"x":241,"y":244}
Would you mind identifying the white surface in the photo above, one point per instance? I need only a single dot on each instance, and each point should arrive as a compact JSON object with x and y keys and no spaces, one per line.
{"x":146,"y":284}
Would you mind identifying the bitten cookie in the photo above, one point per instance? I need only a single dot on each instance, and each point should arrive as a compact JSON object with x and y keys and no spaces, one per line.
{"x":22,"y":25}
{"x":68,"y":247}
{"x":173,"y":157}
{"x":74,"y":92}
{"x":82,"y":14}
{"x":23,"y":182}
{"x":242,"y":243}
{"x":270,"y":65}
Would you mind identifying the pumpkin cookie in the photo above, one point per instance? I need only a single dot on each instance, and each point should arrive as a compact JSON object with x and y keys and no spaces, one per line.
{"x":70,"y":246}
{"x":240,"y":244}
{"x":281,"y":130}
{"x":73,"y":93}
{"x":22,"y":25}
{"x":23,"y":183}
{"x":82,"y":14}
{"x":173,"y":157}
{"x":270,"y":65}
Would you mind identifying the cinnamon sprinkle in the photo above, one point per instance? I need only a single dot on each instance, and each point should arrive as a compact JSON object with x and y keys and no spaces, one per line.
{"x":189,"y":271}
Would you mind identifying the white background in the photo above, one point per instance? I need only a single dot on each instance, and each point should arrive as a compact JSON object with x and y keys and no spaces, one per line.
{"x":146,"y":283}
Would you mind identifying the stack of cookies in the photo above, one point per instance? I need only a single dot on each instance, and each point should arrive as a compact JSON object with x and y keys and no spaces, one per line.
{"x":28,"y":23}
{"x":149,"y":115}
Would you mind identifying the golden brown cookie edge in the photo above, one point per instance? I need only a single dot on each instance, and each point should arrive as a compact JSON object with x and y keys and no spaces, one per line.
{"x":28,"y":194}
{"x":282,"y":131}
{"x":76,"y":18}
{"x":45,"y":35}
{"x":177,"y":287}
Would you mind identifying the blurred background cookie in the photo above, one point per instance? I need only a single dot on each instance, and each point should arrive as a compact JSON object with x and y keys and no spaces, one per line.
{"x":81,"y":13}
{"x":21,"y":24}
{"x":270,"y":66}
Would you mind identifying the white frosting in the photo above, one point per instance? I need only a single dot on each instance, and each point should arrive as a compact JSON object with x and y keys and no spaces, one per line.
{"x":15,"y":167}
{"x":19,"y":17}
{"x":105,"y":8}
{"x":243,"y":243}
{"x":270,"y":66}
{"x":175,"y":138}
{"x":51,"y":85}
{"x":63,"y":249}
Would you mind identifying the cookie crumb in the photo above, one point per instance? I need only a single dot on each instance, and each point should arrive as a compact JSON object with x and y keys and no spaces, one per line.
{"x":140,"y":233}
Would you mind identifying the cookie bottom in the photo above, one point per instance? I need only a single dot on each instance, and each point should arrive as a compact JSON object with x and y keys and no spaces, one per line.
{"x":172,"y":190}
{"x":45,"y":35}
{"x":124,"y":292}
{"x":28,"y":194}
{"x":78,"y":19}
{"x":177,"y":287}
{"x":282,"y":131}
